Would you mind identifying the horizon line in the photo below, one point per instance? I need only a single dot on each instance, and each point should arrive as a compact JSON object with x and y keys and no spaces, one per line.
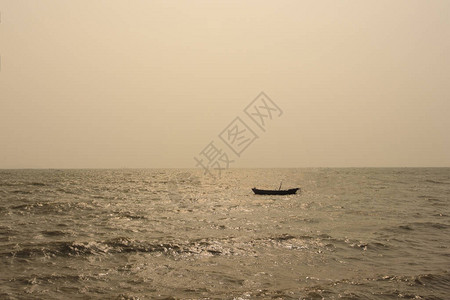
{"x":239,"y":168}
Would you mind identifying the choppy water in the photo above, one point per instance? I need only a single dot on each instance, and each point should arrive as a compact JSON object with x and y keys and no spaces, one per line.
{"x":163,"y":234}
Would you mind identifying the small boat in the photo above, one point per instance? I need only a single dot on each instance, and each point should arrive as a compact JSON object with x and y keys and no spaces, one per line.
{"x":275,"y":192}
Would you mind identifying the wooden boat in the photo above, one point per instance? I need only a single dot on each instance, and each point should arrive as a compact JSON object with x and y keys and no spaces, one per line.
{"x":275,"y":192}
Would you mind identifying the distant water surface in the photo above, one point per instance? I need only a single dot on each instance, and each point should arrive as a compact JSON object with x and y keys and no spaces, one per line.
{"x":176,"y":234}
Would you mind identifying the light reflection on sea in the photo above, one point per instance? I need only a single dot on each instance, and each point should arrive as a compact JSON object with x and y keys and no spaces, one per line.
{"x":145,"y":234}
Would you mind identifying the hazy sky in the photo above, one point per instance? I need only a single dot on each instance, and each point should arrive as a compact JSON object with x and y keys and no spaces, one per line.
{"x":97,"y":84}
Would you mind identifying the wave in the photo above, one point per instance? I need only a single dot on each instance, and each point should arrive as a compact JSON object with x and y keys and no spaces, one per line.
{"x":415,"y":226}
{"x":32,"y":183}
{"x":34,"y":278}
{"x":37,"y":184}
{"x":422,"y":286}
{"x":54,"y":233}
{"x":51,"y":207}
{"x":433,"y":200}
{"x":117,"y":245}
{"x":21,"y":192}
{"x":223,"y":247}
{"x":436,"y":181}
{"x":7,"y":233}
{"x":424,"y":225}
{"x":438,"y":281}
{"x":10,"y":184}
{"x":129,"y":215}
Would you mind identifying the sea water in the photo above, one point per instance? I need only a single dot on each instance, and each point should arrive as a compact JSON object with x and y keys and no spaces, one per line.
{"x":179,"y":234}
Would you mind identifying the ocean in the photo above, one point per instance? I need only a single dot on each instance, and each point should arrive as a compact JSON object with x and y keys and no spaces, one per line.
{"x":351,"y":233}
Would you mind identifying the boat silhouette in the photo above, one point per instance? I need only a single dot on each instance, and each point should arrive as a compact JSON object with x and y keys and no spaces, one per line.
{"x":275,"y":192}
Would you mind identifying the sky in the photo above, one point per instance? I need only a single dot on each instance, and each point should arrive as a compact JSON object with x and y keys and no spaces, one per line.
{"x":156,"y":84}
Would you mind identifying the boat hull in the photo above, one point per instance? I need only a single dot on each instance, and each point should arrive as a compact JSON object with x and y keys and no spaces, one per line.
{"x":275,"y":192}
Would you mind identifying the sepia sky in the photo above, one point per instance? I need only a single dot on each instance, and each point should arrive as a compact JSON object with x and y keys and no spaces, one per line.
{"x":112,"y":84}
